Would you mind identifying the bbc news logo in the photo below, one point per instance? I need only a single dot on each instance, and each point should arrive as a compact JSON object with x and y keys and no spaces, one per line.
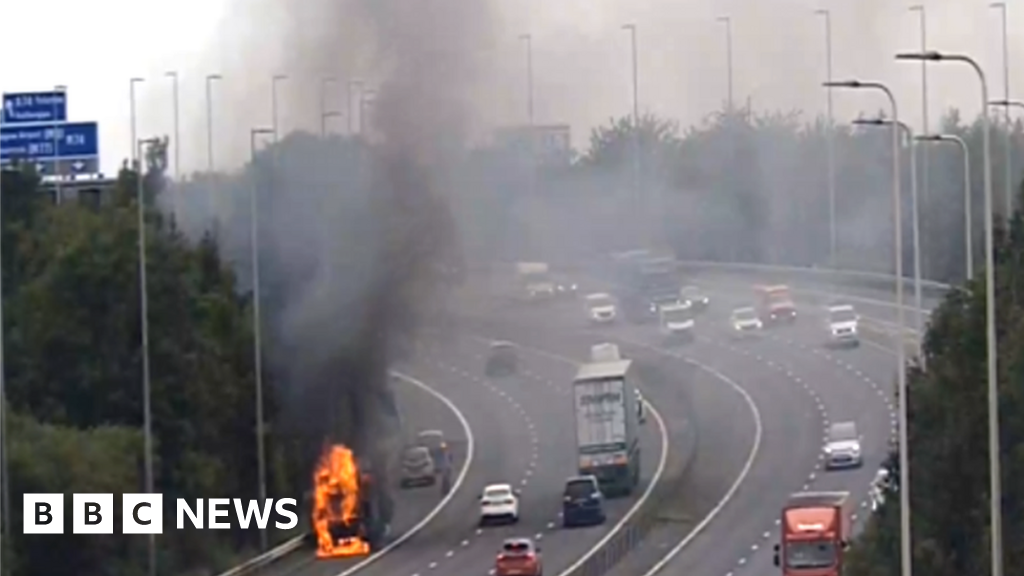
{"x":144,"y":513}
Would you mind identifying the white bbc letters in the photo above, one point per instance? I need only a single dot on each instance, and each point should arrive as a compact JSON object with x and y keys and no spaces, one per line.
{"x":218,"y":509}
{"x":92,"y":514}
{"x":142,"y":513}
{"x":43,"y":513}
{"x":283,"y":511}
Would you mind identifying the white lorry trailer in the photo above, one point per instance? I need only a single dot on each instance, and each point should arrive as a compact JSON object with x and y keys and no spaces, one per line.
{"x":607,"y":425}
{"x":535,"y":279}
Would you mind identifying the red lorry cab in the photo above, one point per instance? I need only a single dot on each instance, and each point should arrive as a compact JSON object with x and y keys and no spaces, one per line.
{"x":815,"y":534}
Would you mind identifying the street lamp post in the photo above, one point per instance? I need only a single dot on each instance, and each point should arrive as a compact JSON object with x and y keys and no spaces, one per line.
{"x":210,"y":79}
{"x":353,"y":86}
{"x":324,"y":113}
{"x":925,"y":157}
{"x":177,"y":136}
{"x":366,"y":98}
{"x":527,"y":39}
{"x":56,"y":166}
{"x":727,"y":21}
{"x":831,"y":140}
{"x":257,"y":345}
{"x":968,"y":233}
{"x":147,"y":409}
{"x":1007,"y":103}
{"x":133,"y":114}
{"x":901,"y":373}
{"x":915,"y":218}
{"x":637,"y":185}
{"x":1001,"y":6}
{"x":995,"y":487}
{"x":213,"y":206}
{"x":274,"y":81}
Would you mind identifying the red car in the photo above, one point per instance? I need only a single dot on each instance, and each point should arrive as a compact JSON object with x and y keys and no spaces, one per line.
{"x":519,"y":557}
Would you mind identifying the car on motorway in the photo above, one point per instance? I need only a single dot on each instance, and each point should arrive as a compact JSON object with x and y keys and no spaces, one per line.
{"x":600,"y":308}
{"x":675,"y":323}
{"x":519,"y":557}
{"x":696,"y":297}
{"x":843,"y":448}
{"x":582,"y":502}
{"x":418,"y":467}
{"x":503,"y":360}
{"x":434,"y":441}
{"x":842,"y":321}
{"x":499,"y":503}
{"x":566,"y":288}
{"x":745,"y":322}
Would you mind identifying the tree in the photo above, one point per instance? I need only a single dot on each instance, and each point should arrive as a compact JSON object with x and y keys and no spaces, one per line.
{"x":948,"y":433}
{"x":72,"y":336}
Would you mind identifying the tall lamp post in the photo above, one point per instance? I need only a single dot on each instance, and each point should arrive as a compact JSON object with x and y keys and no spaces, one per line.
{"x":134,"y":115}
{"x":527,"y":39}
{"x":637,"y":185}
{"x":925,"y":158}
{"x":968,"y":233}
{"x":901,"y":372}
{"x":176,"y":113}
{"x":257,"y":341}
{"x":1001,"y":6}
{"x":354,"y":86}
{"x":1007,"y":103}
{"x":325,"y":83}
{"x":995,"y":487}
{"x":727,"y":22}
{"x":213,"y":205}
{"x":58,"y":173}
{"x":147,"y":408}
{"x":831,"y":140}
{"x":915,"y":218}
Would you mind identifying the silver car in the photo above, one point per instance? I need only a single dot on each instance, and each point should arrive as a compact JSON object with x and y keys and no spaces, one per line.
{"x":418,"y":467}
{"x":843,"y":447}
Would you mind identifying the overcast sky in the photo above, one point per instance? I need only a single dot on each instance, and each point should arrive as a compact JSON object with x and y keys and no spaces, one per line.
{"x":581,"y":59}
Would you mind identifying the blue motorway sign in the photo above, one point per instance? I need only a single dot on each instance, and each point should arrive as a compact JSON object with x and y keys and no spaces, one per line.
{"x":35,"y":107}
{"x":74,"y":140}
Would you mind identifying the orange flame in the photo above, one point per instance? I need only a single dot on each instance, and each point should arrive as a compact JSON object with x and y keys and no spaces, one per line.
{"x":336,"y":505}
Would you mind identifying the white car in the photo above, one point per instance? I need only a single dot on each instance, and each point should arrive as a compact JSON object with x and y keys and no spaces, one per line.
{"x":843,"y":447}
{"x":499,"y":503}
{"x":677,"y":321}
{"x":745,"y":321}
{"x":842,"y":325}
{"x":601,"y":308}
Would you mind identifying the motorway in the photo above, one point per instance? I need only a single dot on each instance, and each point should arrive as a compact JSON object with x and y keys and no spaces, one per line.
{"x":523,"y":433}
{"x":757,"y":411}
{"x":798,"y":388}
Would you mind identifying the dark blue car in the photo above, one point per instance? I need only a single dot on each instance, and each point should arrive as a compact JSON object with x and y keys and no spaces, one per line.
{"x":582,"y":502}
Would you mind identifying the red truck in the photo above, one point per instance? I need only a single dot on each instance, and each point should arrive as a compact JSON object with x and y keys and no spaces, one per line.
{"x":815,"y":534}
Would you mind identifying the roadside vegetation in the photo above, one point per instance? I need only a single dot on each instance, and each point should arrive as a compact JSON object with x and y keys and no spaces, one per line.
{"x":740,"y":187}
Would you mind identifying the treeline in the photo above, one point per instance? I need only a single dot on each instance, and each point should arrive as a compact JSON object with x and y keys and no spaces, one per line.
{"x":741,"y":186}
{"x":948,"y":436}
{"x":73,"y":361}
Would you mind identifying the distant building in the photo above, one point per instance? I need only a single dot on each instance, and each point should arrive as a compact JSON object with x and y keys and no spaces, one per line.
{"x":552,"y":143}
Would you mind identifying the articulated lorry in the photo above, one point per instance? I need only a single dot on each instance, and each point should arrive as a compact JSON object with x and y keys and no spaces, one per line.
{"x":607,"y":442}
{"x":647,"y":283}
{"x":815,"y":534}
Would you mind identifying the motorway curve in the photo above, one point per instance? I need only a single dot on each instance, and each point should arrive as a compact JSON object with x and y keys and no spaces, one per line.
{"x":771,"y":439}
{"x":797,"y":386}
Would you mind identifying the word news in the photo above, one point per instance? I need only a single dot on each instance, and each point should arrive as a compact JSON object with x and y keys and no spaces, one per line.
{"x":144,"y":513}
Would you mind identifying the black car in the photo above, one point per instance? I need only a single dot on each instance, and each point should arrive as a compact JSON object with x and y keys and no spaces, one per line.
{"x":697,"y":298}
{"x":503,"y":359}
{"x":582,"y":502}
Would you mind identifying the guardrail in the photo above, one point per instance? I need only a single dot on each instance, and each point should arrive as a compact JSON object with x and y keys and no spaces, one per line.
{"x":269,"y":557}
{"x":868,"y":279}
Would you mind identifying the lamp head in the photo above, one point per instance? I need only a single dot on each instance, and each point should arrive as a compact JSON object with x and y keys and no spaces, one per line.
{"x":870,"y":122}
{"x":843,"y":84}
{"x":927,"y":55}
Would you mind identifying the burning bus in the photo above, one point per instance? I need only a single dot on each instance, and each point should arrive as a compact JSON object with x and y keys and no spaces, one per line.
{"x":351,"y":507}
